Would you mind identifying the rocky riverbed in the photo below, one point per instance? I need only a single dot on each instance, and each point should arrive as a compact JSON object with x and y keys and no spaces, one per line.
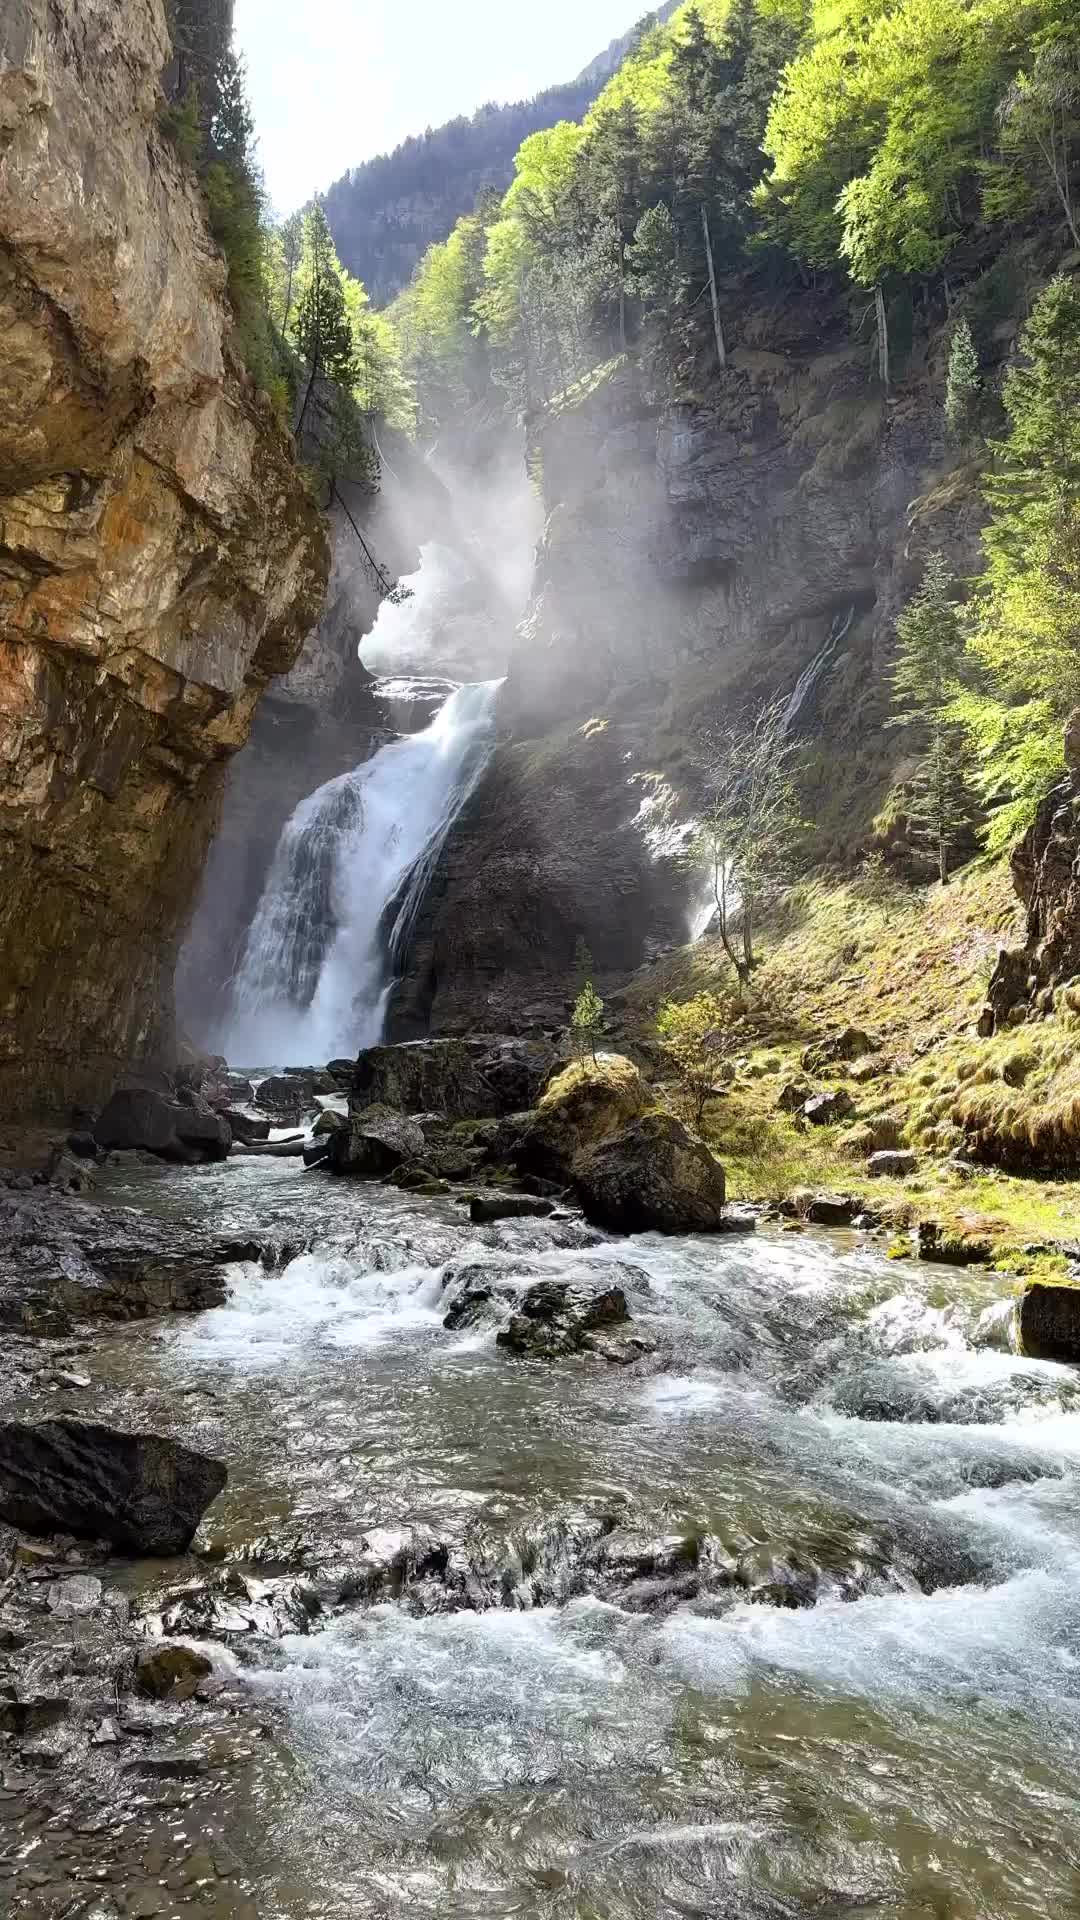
{"x":556,"y":1573}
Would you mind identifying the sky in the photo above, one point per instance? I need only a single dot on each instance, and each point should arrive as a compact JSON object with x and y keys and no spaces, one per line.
{"x":334,"y":81}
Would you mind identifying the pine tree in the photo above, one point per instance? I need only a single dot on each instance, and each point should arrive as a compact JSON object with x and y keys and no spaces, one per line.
{"x":323,"y":334}
{"x":1025,"y":637}
{"x":925,"y":684}
{"x":963,"y":386}
{"x":587,"y":1021}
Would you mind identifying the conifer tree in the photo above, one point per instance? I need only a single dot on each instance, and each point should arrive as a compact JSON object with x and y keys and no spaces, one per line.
{"x":323,"y":334}
{"x":964,"y":384}
{"x":925,"y":683}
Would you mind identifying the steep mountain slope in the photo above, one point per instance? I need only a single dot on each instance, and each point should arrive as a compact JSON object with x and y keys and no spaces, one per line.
{"x":387,"y":212}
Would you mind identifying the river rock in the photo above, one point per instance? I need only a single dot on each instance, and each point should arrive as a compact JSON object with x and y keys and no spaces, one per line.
{"x":1048,"y":1321}
{"x":819,"y":1208}
{"x":244,"y":1127}
{"x":374,"y":1143}
{"x":183,"y":1130}
{"x":480,"y":1078}
{"x":485,"y":1209}
{"x":583,"y":1105}
{"x":141,"y":1492}
{"x":287,"y":1096}
{"x":62,"y":1257}
{"x":556,"y":1316}
{"x":171,"y":1671}
{"x":653,"y":1175}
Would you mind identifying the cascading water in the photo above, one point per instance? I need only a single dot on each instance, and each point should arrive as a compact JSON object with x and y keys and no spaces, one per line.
{"x":318,"y":962}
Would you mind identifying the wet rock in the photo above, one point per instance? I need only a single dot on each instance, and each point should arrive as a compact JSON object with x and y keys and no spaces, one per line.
{"x":287,"y":1096}
{"x":654,"y":1175}
{"x":82,"y":1145}
{"x":61,"y":1257}
{"x":584,"y":1105}
{"x":80,"y":1594}
{"x":375,"y":1142}
{"x":555,"y":1317}
{"x":825,"y":1109}
{"x":1048,"y":1322}
{"x":951,"y":1249}
{"x":68,"y":1173}
{"x":894,"y":1163}
{"x":485,"y":1209}
{"x":243,"y":1127}
{"x":171,"y":1672}
{"x":821,"y":1209}
{"x":476,"y":1294}
{"x":34,"y":1715}
{"x":142,"y":1493}
{"x":328,"y":1122}
{"x":187,"y":1130}
{"x":486,"y":1076}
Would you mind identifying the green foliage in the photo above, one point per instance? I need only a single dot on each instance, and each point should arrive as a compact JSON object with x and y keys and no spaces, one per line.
{"x":963,"y":387}
{"x":1025,"y":635}
{"x":696,"y":1037}
{"x":880,"y":130}
{"x":587,"y":1021}
{"x":180,"y":122}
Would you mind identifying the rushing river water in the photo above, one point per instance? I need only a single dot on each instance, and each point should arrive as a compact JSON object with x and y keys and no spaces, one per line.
{"x":907,"y":1745}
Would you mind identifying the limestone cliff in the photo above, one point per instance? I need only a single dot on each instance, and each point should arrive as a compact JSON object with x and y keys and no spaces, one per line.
{"x":160,"y":556}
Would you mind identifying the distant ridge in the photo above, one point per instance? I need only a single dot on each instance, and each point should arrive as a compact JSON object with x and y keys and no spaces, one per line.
{"x":386,"y":213}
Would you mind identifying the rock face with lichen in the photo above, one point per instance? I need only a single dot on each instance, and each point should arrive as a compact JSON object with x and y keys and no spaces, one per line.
{"x":161,"y":558}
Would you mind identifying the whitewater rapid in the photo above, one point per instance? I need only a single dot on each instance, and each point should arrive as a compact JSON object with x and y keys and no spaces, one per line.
{"x":349,"y":873}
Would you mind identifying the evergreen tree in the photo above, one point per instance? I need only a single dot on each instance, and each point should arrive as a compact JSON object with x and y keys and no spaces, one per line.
{"x":963,"y":386}
{"x":587,"y":1021}
{"x":1025,"y":636}
{"x":323,"y":334}
{"x":925,"y":683}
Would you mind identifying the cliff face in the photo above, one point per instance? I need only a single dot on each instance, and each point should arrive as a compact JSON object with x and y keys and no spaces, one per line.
{"x":160,"y":557}
{"x":695,"y":557}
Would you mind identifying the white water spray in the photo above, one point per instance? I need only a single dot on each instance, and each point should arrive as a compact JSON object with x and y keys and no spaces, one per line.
{"x":319,"y":958}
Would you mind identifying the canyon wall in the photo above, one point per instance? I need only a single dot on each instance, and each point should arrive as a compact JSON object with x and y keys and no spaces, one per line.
{"x":161,"y":557}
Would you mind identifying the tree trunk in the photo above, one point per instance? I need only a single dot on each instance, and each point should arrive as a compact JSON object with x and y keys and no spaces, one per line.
{"x":721,"y":350}
{"x":882,"y":336}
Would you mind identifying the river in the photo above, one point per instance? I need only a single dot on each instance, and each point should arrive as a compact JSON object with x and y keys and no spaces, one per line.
{"x":881,"y":1719}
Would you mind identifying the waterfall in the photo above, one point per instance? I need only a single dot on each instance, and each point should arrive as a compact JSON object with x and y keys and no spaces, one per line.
{"x":810,"y":675}
{"x":318,"y":964}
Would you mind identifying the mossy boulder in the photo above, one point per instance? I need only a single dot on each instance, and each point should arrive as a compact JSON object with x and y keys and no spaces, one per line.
{"x":652,"y":1175}
{"x":585,"y":1104}
{"x":375,"y":1142}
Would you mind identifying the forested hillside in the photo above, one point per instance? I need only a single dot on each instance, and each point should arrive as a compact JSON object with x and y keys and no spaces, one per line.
{"x":387,"y":212}
{"x":914,"y":158}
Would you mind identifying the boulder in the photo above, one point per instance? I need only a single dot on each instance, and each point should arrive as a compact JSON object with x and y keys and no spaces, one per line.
{"x":244,"y":1128}
{"x":375,"y":1142}
{"x":825,"y":1109}
{"x":583,"y":1105}
{"x":462,"y":1079}
{"x":287,"y":1096}
{"x":64,"y":1171}
{"x":83,"y":1145}
{"x":794,"y":1096}
{"x":328,"y":1122}
{"x":556,"y":1316}
{"x":951,"y":1249}
{"x":183,"y":1130}
{"x":171,"y":1671}
{"x":142,"y":1493}
{"x":654,"y":1174}
{"x":1048,"y":1322}
{"x":894,"y":1163}
{"x":485,"y":1209}
{"x":821,"y":1209}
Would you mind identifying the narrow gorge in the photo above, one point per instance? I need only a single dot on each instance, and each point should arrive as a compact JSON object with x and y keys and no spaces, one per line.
{"x":540,"y":962}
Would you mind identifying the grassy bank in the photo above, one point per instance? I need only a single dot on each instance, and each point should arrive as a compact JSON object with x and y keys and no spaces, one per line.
{"x":910,"y":969}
